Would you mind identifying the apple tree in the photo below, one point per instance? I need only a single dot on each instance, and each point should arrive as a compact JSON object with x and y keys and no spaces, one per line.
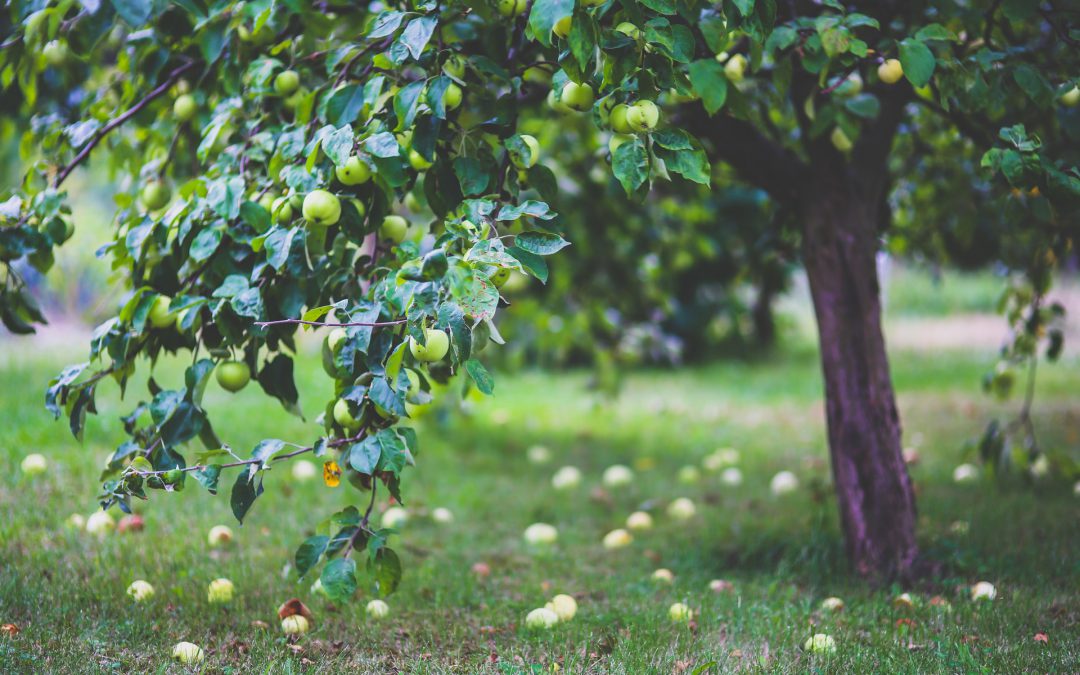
{"x":284,"y":162}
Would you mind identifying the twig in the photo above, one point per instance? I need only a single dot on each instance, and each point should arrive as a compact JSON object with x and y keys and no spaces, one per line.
{"x":124,"y":117}
{"x":395,"y":322}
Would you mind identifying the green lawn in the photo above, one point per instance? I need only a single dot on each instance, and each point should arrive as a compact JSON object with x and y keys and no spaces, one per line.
{"x":65,"y":589}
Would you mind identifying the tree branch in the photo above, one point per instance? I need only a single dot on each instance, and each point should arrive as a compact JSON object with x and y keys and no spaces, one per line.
{"x":321,"y":324}
{"x":124,"y":117}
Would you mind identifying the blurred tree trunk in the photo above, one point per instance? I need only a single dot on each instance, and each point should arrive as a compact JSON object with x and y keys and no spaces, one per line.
{"x":762,"y":316}
{"x":873,"y":489}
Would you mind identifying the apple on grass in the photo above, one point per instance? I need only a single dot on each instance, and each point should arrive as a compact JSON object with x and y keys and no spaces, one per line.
{"x":564,"y":606}
{"x":538,"y":454}
{"x":682,"y":509}
{"x":219,"y":535}
{"x":100,"y":523}
{"x":617,"y":475}
{"x":303,"y":471}
{"x":232,"y":375}
{"x":395,"y":517}
{"x":34,"y":464}
{"x":438,"y":344}
{"x":187,"y":653}
{"x":295,"y":624}
{"x":616,"y":539}
{"x":566,"y":478}
{"x":541,"y":534}
{"x":321,"y":208}
{"x":377,"y":609}
{"x":220,"y":591}
{"x":721,"y":586}
{"x":832,"y":604}
{"x":442,"y":515}
{"x":541,"y":618}
{"x":965,"y":473}
{"x":680,"y":613}
{"x":140,"y":590}
{"x":731,"y":477}
{"x":984,"y":590}
{"x":663,"y":576}
{"x":783,"y":483}
{"x":820,"y":643}
{"x":689,"y":474}
{"x":638,"y":521}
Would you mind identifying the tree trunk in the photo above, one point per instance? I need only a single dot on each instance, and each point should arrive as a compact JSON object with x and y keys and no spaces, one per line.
{"x":873,"y":489}
{"x":762,"y":315}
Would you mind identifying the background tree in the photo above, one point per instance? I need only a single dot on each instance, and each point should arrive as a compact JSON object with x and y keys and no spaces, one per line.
{"x":269,"y":149}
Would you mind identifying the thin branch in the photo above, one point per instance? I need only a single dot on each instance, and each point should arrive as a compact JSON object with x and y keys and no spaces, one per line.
{"x":124,"y":117}
{"x":321,"y":324}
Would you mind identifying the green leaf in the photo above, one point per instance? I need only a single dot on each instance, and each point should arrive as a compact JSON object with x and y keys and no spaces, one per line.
{"x":707,"y":77}
{"x":208,"y":478}
{"x":364,"y":455}
{"x":533,"y":264}
{"x":631,"y":165}
{"x":338,"y":145}
{"x":385,"y":24}
{"x":918,"y":62}
{"x":935,"y":31}
{"x":1034,"y":85}
{"x":417,"y":34}
{"x":339,"y":579}
{"x":245,"y":491}
{"x":540,"y":243}
{"x":385,"y":567}
{"x":661,"y":6}
{"x":583,"y":38}
{"x":344,"y":105}
{"x":406,"y":104}
{"x":531,"y":208}
{"x":134,"y":12}
{"x":866,"y":106}
{"x":480,"y":375}
{"x":309,"y":552}
{"x":544,"y":15}
{"x":691,"y":164}
{"x":473,"y":174}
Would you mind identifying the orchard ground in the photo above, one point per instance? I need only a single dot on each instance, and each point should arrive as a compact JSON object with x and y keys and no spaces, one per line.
{"x":64,"y":589}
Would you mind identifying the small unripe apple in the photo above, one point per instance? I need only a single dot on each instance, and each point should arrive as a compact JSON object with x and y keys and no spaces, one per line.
{"x":564,"y":606}
{"x":538,"y":454}
{"x":663,"y":576}
{"x":681,"y":509}
{"x":286,"y":82}
{"x":451,"y":98}
{"x":903,"y":601}
{"x":562,"y":27}
{"x":233,"y":375}
{"x":617,"y":140}
{"x":511,"y":8}
{"x":1071,"y":98}
{"x":322,"y":207}
{"x":442,"y":515}
{"x":735,"y":68}
{"x":541,"y":618}
{"x":576,"y":96}
{"x":541,"y":534}
{"x":343,"y":416}
{"x":534,"y":153}
{"x":643,"y":116}
{"x":617,"y":476}
{"x":155,"y":195}
{"x":394,"y":228}
{"x":617,"y":119}
{"x":281,"y":209}
{"x":638,"y":521}
{"x":34,"y":464}
{"x":159,"y":315}
{"x":732,"y":477}
{"x":832,"y":604}
{"x":628,"y":29}
{"x":783,"y":483}
{"x":377,"y":609}
{"x":353,"y":172}
{"x":890,"y":71}
{"x":187,"y":653}
{"x":721,"y":586}
{"x":295,"y":624}
{"x":291,"y":102}
{"x":566,"y":478}
{"x":820,"y":644}
{"x":680,"y":613}
{"x":185,"y":107}
{"x":100,"y":523}
{"x":617,"y":539}
{"x":303,"y":471}
{"x":220,"y":591}
{"x":984,"y":590}
{"x":455,"y":66}
{"x":140,"y":590}
{"x":418,"y":161}
{"x":438,"y":344}
{"x":219,"y":535}
{"x":76,"y":521}
{"x":840,"y":140}
{"x":395,"y":517}
{"x":689,"y":474}
{"x":557,"y":105}
{"x":56,"y":53}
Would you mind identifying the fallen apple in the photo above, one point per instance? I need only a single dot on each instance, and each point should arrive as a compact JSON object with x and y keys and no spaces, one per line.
{"x":820,"y":644}
{"x":681,"y":509}
{"x":965,"y":473}
{"x":220,"y":591}
{"x":303,"y":470}
{"x":984,"y":590}
{"x":617,"y":539}
{"x":442,"y":515}
{"x":219,"y":535}
{"x":680,"y":613}
{"x":140,"y":590}
{"x":617,"y":475}
{"x":663,"y":576}
{"x":295,"y":624}
{"x":564,"y":606}
{"x":541,"y":618}
{"x":566,"y":478}
{"x":100,"y":523}
{"x":721,"y":586}
{"x":541,"y":534}
{"x":34,"y":464}
{"x":395,"y":517}
{"x":832,"y":604}
{"x":538,"y":454}
{"x":783,"y":483}
{"x":187,"y":653}
{"x":731,"y":477}
{"x":638,"y":521}
{"x":689,"y":474}
{"x":377,"y":609}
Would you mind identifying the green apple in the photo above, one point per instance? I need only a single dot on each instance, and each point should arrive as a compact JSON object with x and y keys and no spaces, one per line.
{"x":890,"y":71}
{"x":541,"y":619}
{"x":286,"y":83}
{"x":377,"y":609}
{"x":185,"y":107}
{"x":155,"y":195}
{"x":663,"y":576}
{"x":562,"y":27}
{"x":34,"y":464}
{"x":438,"y":343}
{"x":295,"y":624}
{"x":56,"y":53}
{"x":681,"y":509}
{"x":418,"y":161}
{"x":510,"y":8}
{"x":140,"y":590}
{"x":564,"y":606}
{"x":322,"y":207}
{"x":537,"y":75}
{"x":187,"y":653}
{"x":541,"y":534}
{"x":394,"y":228}
{"x":628,"y":29}
{"x":291,"y":102}
{"x":617,"y":140}
{"x":100,"y":523}
{"x":500,"y":277}
{"x":639,"y":520}
{"x":557,"y":105}
{"x":233,"y":375}
{"x":840,"y":140}
{"x":455,"y":66}
{"x":820,"y":644}
{"x":1071,"y":98}
{"x":643,"y":116}
{"x":219,"y":592}
{"x":281,"y":209}
{"x":331,"y":347}
{"x":343,"y":415}
{"x":616,"y":539}
{"x":534,"y":153}
{"x":267,"y":201}
{"x":735,"y":68}
{"x":219,"y":535}
{"x":617,"y":119}
{"x":159,"y":315}
{"x":591,"y":3}
{"x":451,"y":98}
{"x":577,"y":97}
{"x":353,"y":172}
{"x":680,"y":613}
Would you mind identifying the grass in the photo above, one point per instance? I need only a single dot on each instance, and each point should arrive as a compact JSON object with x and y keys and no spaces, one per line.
{"x":65,"y":589}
